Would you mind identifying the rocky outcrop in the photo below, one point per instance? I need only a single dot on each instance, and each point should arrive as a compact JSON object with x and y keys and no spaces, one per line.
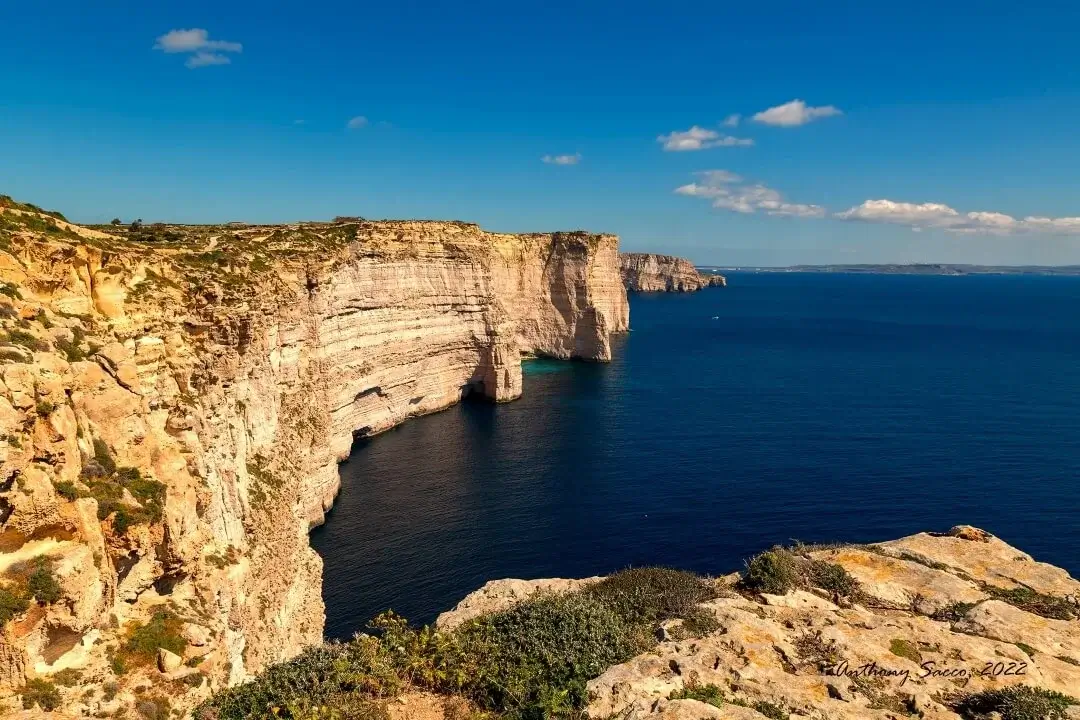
{"x":173,"y":411}
{"x":647,"y":272}
{"x":934,"y":615}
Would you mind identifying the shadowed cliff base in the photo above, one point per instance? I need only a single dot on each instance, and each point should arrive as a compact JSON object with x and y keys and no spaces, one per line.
{"x":936,"y":625}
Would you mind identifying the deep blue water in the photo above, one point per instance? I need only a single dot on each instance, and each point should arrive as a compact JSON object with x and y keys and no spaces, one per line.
{"x":813,"y":407}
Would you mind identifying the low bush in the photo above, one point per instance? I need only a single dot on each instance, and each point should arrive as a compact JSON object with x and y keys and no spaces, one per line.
{"x":12,"y":603}
{"x":779,"y":571}
{"x":1018,"y":702}
{"x":41,"y":583}
{"x":28,"y":340}
{"x":532,"y":660}
{"x":651,"y":595}
{"x":711,"y":694}
{"x":68,"y":677}
{"x":143,"y":641}
{"x":41,"y":693}
{"x":72,"y":349}
{"x":1048,"y":606}
{"x":107,"y":483}
{"x":356,"y":673}
{"x":906,"y":649}
{"x":774,"y":572}
{"x":953,"y":612}
{"x":816,"y":650}
{"x":66,"y":489}
{"x":103,"y":456}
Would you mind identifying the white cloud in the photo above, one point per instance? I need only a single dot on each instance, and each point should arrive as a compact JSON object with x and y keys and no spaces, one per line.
{"x":562,"y":159}
{"x":699,"y":138}
{"x":196,"y":41}
{"x":203,"y":59}
{"x":794,"y":113}
{"x":357,"y":122}
{"x":732,"y":120}
{"x":921,"y":216}
{"x":727,"y":191}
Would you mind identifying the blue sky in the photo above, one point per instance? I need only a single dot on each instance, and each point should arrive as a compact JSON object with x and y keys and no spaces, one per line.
{"x":930,"y":131}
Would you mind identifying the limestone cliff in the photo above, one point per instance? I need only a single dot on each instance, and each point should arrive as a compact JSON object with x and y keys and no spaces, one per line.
{"x":915,"y":625}
{"x":647,"y":272}
{"x":174,"y":402}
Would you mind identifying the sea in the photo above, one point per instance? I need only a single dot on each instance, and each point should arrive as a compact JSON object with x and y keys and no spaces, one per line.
{"x":786,"y":406}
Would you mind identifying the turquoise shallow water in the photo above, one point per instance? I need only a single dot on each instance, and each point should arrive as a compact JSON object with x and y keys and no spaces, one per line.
{"x":814,"y":407}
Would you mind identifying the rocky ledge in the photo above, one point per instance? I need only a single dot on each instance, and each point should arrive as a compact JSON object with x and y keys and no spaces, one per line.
{"x":648,"y":272}
{"x":931,"y":625}
{"x":938,"y":626}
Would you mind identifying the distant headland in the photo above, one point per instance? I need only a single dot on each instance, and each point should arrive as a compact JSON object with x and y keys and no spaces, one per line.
{"x":911,"y":269}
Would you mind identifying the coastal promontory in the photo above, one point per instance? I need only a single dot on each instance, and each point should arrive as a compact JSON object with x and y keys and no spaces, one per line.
{"x":648,"y":272}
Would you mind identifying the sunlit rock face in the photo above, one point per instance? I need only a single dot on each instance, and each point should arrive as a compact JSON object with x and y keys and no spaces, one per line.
{"x":648,"y":272}
{"x":174,"y":402}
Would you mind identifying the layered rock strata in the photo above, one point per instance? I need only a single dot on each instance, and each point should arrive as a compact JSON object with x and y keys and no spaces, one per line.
{"x":935,"y":615}
{"x":175,"y":400}
{"x":648,"y":272}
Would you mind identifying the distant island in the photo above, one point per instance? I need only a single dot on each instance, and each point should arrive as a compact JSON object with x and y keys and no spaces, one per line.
{"x":912,"y":269}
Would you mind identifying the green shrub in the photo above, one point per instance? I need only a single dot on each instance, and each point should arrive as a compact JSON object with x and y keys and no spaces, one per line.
{"x":1028,"y":650}
{"x":12,"y":603}
{"x":103,"y":456}
{"x":1048,"y":606}
{"x":534,"y":659}
{"x":28,"y":340}
{"x":651,"y":595}
{"x":42,"y":584}
{"x":41,"y":693}
{"x":906,"y":649}
{"x":72,"y":348}
{"x":109,"y":496}
{"x":155,"y":708}
{"x":953,"y":612}
{"x":779,"y":571}
{"x":1018,"y":702}
{"x":332,"y":675}
{"x":770,"y":710}
{"x":12,"y":291}
{"x":66,"y":489}
{"x":68,"y":677}
{"x":832,"y":577}
{"x":149,"y":493}
{"x":45,"y":408}
{"x":774,"y":572}
{"x":711,"y":694}
{"x":1067,"y":659}
{"x":163,"y":631}
{"x":698,"y":623}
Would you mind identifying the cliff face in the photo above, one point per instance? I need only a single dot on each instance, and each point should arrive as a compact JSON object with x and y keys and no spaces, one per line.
{"x":173,"y":414}
{"x":647,"y":272}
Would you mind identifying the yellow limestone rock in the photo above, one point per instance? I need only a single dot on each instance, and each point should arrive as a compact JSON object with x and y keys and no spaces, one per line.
{"x":213,"y":381}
